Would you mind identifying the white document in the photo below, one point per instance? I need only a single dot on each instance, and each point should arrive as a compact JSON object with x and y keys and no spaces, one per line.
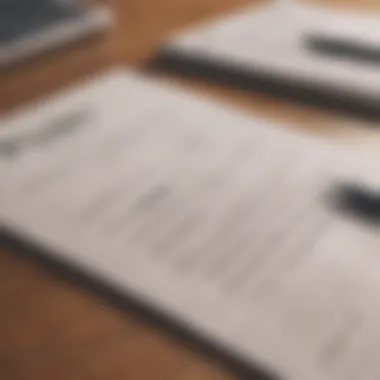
{"x":272,"y":39}
{"x":218,"y":220}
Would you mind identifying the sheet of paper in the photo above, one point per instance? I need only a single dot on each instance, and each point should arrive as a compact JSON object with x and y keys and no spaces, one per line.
{"x":217,"y":219}
{"x":271,"y":38}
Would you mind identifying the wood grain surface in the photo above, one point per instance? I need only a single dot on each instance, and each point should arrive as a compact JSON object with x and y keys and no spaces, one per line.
{"x":51,"y":328}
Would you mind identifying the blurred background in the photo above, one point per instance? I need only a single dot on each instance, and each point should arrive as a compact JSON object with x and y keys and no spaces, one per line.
{"x":52,"y":328}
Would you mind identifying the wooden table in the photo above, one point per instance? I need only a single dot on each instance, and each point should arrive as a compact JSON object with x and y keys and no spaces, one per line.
{"x":53,"y":329}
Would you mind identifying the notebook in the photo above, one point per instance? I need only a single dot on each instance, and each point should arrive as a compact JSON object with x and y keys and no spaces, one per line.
{"x":29,"y":27}
{"x":307,"y":52}
{"x":221,"y":222}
